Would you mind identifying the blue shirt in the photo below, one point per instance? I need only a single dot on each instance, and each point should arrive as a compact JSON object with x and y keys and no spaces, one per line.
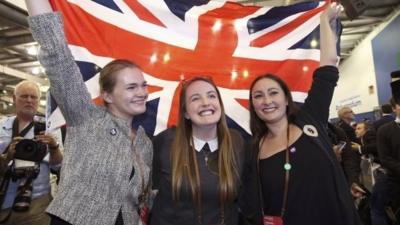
{"x":41,"y":185}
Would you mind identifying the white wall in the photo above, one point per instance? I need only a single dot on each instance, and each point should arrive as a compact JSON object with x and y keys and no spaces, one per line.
{"x":357,"y":73}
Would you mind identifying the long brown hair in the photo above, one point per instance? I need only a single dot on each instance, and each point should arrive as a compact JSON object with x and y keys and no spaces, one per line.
{"x":183,"y":155}
{"x":257,"y":126}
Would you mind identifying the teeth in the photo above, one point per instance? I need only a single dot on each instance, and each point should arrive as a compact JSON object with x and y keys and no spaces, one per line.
{"x":206,"y":113}
{"x":269,"y":109}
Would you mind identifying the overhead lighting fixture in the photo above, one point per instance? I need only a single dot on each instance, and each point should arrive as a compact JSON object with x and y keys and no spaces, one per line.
{"x":32,"y":50}
{"x":36,"y":70}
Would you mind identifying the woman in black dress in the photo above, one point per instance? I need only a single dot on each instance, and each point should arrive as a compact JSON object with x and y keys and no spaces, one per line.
{"x":293,"y":176}
{"x":197,"y":164}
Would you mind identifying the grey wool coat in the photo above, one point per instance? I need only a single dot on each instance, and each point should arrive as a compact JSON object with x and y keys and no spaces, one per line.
{"x":99,"y":151}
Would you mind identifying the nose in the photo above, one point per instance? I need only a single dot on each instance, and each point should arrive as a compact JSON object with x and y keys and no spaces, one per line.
{"x":143,"y":92}
{"x":31,"y":98}
{"x":266,"y":100}
{"x":205,"y":101}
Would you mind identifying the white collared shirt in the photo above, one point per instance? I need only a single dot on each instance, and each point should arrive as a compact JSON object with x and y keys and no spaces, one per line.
{"x":198,"y":144}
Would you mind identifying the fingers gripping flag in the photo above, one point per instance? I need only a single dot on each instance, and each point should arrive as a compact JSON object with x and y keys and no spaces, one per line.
{"x":173,"y":40}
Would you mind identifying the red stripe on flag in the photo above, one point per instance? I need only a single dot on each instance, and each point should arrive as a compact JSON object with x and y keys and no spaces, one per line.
{"x":143,"y":13}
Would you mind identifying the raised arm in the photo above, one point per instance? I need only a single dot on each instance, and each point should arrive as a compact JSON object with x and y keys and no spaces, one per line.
{"x":328,"y":36}
{"x":325,"y":77}
{"x":66,"y":82}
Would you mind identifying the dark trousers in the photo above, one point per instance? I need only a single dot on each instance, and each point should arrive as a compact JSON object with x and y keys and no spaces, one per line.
{"x":57,"y":221}
{"x":379,"y":199}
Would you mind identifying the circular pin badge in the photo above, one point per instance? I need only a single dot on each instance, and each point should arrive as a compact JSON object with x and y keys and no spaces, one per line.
{"x":310,"y":130}
{"x":113,"y":132}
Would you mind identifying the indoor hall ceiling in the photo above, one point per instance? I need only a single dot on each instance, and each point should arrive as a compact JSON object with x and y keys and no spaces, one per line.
{"x":18,"y":50}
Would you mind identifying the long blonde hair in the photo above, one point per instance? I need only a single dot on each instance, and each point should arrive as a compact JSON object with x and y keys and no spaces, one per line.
{"x":183,"y":156}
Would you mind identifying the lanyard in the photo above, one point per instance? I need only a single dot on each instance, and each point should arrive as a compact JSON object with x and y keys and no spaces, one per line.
{"x":287,"y":168}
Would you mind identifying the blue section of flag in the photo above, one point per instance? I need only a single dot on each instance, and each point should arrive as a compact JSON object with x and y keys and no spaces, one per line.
{"x":180,"y":7}
{"x":108,"y":4}
{"x":147,"y":119}
{"x":277,"y":14}
{"x":88,"y":69}
{"x":305,"y":43}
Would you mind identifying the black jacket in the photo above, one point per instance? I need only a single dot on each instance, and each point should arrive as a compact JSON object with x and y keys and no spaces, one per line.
{"x":389,"y":148}
{"x":314,"y":112}
{"x":385,"y":119}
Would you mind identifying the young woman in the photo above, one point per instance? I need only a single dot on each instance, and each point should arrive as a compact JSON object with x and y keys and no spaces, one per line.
{"x":197,"y":165}
{"x":293,"y":176}
{"x":106,"y":163}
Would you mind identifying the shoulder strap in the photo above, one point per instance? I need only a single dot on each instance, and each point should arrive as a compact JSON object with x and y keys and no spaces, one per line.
{"x":15,"y":130}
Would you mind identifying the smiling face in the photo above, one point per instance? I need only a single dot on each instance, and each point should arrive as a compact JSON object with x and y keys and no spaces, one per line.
{"x":129,"y":94}
{"x":269,"y":100}
{"x":202,"y":104}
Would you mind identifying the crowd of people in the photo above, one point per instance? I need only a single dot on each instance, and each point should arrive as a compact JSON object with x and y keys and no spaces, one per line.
{"x":296,"y":169}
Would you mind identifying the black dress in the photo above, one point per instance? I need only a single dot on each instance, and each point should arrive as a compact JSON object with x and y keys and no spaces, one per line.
{"x":310,"y":180}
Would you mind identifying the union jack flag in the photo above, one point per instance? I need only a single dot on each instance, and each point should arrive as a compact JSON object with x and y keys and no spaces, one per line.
{"x":173,"y":40}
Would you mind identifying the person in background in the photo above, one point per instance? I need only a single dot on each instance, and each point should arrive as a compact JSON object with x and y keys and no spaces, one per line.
{"x":293,"y":176}
{"x":387,"y":116}
{"x":24,"y":125}
{"x":389,"y":154}
{"x":197,"y":165}
{"x":346,"y":122}
{"x":106,"y":169}
{"x":347,"y":157}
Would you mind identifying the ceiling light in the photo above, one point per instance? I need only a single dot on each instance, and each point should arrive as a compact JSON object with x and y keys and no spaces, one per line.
{"x":36,"y":70}
{"x":32,"y":50}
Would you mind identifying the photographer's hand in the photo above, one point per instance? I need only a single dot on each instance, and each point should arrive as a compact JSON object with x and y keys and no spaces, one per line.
{"x":56,"y":156}
{"x":11,"y":149}
{"x":47,"y":139}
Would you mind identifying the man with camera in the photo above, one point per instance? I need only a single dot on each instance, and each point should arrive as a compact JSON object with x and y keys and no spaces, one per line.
{"x":27,"y":155}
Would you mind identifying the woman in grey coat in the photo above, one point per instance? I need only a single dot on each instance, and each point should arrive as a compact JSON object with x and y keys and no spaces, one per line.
{"x":106,"y":167}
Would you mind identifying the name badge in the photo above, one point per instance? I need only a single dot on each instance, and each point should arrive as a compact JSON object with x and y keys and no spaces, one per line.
{"x":273,"y":220}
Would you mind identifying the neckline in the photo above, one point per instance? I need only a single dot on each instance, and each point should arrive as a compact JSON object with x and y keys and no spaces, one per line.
{"x":283,"y":150}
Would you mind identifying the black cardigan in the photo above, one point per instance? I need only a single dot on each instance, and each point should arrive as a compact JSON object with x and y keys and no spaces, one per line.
{"x":315,"y":112}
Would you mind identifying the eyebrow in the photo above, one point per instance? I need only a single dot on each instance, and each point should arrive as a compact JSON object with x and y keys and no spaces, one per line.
{"x":269,"y":89}
{"x":144,"y":82}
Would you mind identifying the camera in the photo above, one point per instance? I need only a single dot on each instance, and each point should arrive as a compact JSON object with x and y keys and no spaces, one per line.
{"x":28,"y":155}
